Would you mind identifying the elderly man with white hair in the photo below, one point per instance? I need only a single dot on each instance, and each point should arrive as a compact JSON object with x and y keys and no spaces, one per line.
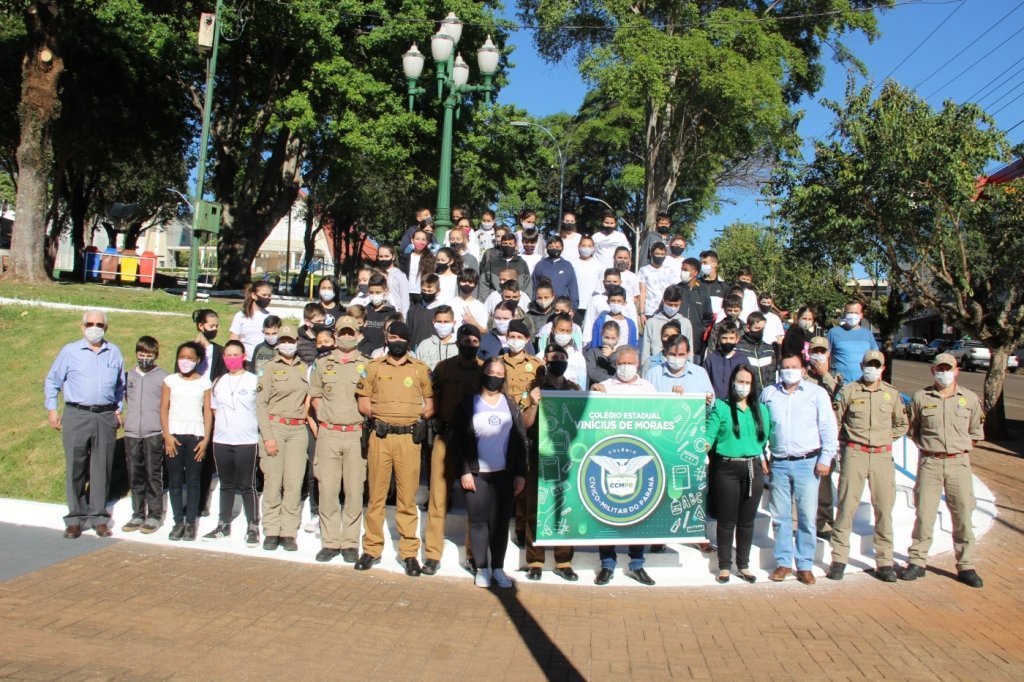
{"x":90,"y":373}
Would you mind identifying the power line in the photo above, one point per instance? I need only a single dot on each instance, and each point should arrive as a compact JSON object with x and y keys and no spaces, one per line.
{"x":970,"y":98}
{"x":967,"y":47}
{"x":976,"y":62}
{"x":1007,"y":104}
{"x":1007,"y":93}
{"x":1010,"y":129}
{"x":920,"y":44}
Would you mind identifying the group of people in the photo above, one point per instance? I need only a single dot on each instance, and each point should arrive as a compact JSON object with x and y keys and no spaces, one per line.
{"x":442,"y":357}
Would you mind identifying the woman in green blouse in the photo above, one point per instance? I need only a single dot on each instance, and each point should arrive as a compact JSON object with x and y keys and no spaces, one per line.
{"x":739,"y":428}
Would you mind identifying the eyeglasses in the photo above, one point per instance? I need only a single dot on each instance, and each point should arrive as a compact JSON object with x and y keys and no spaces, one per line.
{"x":94,"y":324}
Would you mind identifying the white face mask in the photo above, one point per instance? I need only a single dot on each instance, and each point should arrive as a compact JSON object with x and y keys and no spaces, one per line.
{"x":872,"y":374}
{"x":563,"y":339}
{"x":625,"y":373}
{"x":376,"y":299}
{"x":487,"y":226}
{"x":327,"y":295}
{"x":186,"y":366}
{"x":945,"y":379}
{"x":287,"y":349}
{"x":516,"y":345}
{"x":851,"y":319}
{"x":791,"y":376}
{"x":586,"y":251}
{"x":271,"y":339}
{"x":615,"y":308}
{"x":806,"y":325}
{"x":705,"y":269}
{"x":443,"y":329}
{"x":94,"y":334}
{"x":819,"y":357}
{"x":501,"y":326}
{"x":670,"y":310}
{"x":675,"y":364}
{"x":685,"y":276}
{"x":741,"y":390}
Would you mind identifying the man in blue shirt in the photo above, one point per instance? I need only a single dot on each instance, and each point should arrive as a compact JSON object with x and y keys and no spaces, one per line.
{"x":677,"y":374}
{"x":850,"y":342}
{"x":90,"y":372}
{"x":804,"y":440}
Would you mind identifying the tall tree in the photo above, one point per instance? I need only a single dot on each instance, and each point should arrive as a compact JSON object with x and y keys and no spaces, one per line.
{"x":895,"y":183}
{"x":712,"y":82}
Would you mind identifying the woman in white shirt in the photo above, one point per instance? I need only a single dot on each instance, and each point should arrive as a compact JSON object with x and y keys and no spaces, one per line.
{"x":235,"y":438}
{"x":187,"y":422}
{"x":448,"y":267}
{"x":247,"y":324}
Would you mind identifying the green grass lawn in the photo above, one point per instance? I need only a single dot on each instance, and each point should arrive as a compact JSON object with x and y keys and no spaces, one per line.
{"x":31,"y":456}
{"x":114,"y":297}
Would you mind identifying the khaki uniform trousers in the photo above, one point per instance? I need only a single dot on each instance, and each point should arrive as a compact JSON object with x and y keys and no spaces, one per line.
{"x":878,"y":470}
{"x":339,"y":461}
{"x":395,"y":452}
{"x":952,"y":475}
{"x":442,"y":478}
{"x":535,"y":556}
{"x":282,"y":480}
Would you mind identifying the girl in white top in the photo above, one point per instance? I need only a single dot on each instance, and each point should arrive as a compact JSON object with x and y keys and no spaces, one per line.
{"x":247,"y":324}
{"x":187,"y":422}
{"x":449,"y":267}
{"x":235,"y":438}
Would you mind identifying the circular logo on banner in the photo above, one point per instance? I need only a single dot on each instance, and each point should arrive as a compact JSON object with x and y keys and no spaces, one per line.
{"x":621,"y":480}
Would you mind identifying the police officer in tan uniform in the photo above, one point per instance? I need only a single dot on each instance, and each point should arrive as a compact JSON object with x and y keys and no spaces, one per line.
{"x":397,"y":397}
{"x":339,"y":458}
{"x":819,"y":372}
{"x":520,"y":375}
{"x":453,"y":380}
{"x":281,"y":405}
{"x":945,"y":424}
{"x":871,"y":416}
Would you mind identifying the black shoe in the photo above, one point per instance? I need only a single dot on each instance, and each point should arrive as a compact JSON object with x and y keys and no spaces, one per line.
{"x":566,"y":574}
{"x":252,"y":538}
{"x":271,"y":542}
{"x":639,"y":575}
{"x":747,"y":577}
{"x":835,"y":571}
{"x":327,"y":553}
{"x":657,"y":549}
{"x":412,"y":567}
{"x":221,"y":531}
{"x":520,"y":539}
{"x":366,"y":562}
{"x":430,"y":567}
{"x":722,"y":579}
{"x":887,"y":574}
{"x":912,"y":572}
{"x":533,"y":573}
{"x":190,"y":532}
{"x":604,"y":576}
{"x":177,"y":530}
{"x":469,"y":565}
{"x":970,"y":578}
{"x":289,"y":544}
{"x":349,"y":555}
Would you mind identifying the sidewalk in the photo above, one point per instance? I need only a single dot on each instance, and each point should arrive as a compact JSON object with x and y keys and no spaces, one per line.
{"x":129,"y":610}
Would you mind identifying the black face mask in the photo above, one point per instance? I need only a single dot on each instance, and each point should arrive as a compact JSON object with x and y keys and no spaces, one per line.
{"x":662,"y":229}
{"x":319,"y":327}
{"x":322,"y":351}
{"x":146,"y":364}
{"x":210,"y":334}
{"x":554,"y":253}
{"x":384,"y":263}
{"x":676,"y":250}
{"x":727,"y":347}
{"x":466,"y":288}
{"x":467,"y":352}
{"x":557,"y":368}
{"x":397,"y":349}
{"x":442,"y":267}
{"x":428,"y":298}
{"x":363,"y":289}
{"x":609,"y":287}
{"x":493,"y":384}
{"x":756,"y":336}
{"x":508,"y":251}
{"x":621,"y":265}
{"x":263,"y":301}
{"x":457,"y":246}
{"x":569,"y":227}
{"x":657,"y":260}
{"x":765,"y":309}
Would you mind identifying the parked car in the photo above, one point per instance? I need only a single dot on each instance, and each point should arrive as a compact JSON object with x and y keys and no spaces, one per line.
{"x":1019,"y":354}
{"x":903,"y":345}
{"x":937,"y":346}
{"x":971,"y":355}
{"x":916,"y":349}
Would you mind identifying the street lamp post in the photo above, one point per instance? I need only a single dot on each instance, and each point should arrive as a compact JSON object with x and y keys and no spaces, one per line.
{"x":452,"y":77}
{"x":561,"y":159}
{"x":204,"y":139}
{"x":636,"y":233}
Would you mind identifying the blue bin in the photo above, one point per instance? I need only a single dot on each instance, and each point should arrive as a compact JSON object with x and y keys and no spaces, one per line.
{"x":92,"y":263}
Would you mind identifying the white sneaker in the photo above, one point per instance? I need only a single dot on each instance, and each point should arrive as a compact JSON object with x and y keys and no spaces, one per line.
{"x":501,"y":579}
{"x":483,"y":578}
{"x":312,"y":526}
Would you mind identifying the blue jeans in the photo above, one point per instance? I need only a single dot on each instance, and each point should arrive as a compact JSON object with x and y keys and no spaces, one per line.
{"x":794,"y":481}
{"x":608,"y":558}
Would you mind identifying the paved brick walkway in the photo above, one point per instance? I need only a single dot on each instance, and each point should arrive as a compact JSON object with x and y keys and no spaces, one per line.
{"x":129,"y":611}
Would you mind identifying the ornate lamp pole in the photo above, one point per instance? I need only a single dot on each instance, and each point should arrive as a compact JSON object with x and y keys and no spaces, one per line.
{"x":452,"y":78}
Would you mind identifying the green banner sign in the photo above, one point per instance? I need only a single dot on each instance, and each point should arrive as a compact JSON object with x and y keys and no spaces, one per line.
{"x":621,"y":469}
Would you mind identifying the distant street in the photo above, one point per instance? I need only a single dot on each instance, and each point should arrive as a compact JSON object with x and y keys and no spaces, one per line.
{"x":909,"y":376}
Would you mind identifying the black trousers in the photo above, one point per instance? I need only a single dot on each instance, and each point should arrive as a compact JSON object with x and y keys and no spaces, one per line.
{"x":490,"y":508}
{"x":310,"y":488}
{"x":184,"y":472}
{"x":737,"y":484}
{"x":145,"y":458}
{"x":236,"y":469}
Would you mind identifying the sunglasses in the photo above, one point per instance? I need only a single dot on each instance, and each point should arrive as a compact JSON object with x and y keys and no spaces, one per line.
{"x":94,"y":324}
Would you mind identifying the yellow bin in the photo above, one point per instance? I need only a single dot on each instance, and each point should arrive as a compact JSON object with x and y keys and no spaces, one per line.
{"x":129,"y":266}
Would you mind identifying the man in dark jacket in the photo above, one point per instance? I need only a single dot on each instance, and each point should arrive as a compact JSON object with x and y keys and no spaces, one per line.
{"x":760,"y":353}
{"x":696,"y":304}
{"x":558,"y":271}
{"x":503,"y":257}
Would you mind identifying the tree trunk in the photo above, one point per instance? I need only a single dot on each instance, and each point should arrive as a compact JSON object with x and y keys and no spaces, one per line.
{"x":41,"y":68}
{"x":992,"y":400}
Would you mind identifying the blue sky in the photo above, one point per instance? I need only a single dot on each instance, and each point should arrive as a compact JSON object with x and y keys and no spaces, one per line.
{"x":995,"y":27}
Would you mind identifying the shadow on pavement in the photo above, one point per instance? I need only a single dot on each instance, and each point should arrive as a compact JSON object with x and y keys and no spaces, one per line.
{"x":545,"y":651}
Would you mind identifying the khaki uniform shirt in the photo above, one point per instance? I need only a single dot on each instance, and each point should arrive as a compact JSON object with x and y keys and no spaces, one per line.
{"x":333,"y":380}
{"x":874,"y":418}
{"x":520,"y":374}
{"x":453,"y":381}
{"x":396,"y":389}
{"x":832,"y":382}
{"x":281,"y":391}
{"x":946,"y":425}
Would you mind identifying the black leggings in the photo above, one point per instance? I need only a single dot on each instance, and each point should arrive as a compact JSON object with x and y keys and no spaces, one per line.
{"x":490,"y":508}
{"x":236,"y":468}
{"x":310,"y":488}
{"x":737,"y":498}
{"x":183,"y":471}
